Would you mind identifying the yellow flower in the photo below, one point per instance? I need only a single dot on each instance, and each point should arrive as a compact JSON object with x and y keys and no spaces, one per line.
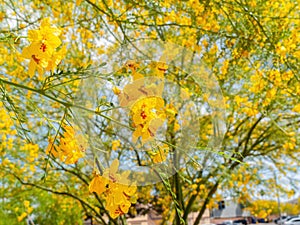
{"x":139,"y":89}
{"x":116,"y":90}
{"x":194,"y":186}
{"x":118,"y":191}
{"x":56,"y":58}
{"x":159,"y":69}
{"x":26,"y":203}
{"x":41,"y":51}
{"x":52,"y":148}
{"x":133,"y":66}
{"x":147,"y":116}
{"x":98,"y":184}
{"x":111,"y":173}
{"x":115,"y":145}
{"x":202,"y":187}
{"x":160,"y":155}
{"x":119,"y":198}
{"x":70,"y":149}
{"x":296,"y":108}
{"x":22,"y":216}
{"x":114,"y":210}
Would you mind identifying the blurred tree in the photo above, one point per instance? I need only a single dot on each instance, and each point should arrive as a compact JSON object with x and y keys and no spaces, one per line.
{"x":250,"y":47}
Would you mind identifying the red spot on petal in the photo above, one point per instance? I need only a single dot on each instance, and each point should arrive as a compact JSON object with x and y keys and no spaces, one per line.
{"x":143,"y":115}
{"x":43,"y":47}
{"x":35,"y":59}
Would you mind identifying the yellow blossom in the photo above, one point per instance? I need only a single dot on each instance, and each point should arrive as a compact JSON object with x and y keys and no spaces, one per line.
{"x":160,"y":155}
{"x":98,"y":184}
{"x":159,"y":69}
{"x":26,"y":203}
{"x":70,"y":147}
{"x":116,"y":90}
{"x":147,"y":116}
{"x":118,"y":192}
{"x":115,"y":145}
{"x":22,"y":216}
{"x":42,"y":50}
{"x":296,"y":108}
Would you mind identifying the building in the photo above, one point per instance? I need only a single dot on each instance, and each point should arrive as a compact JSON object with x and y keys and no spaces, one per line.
{"x":229,"y":210}
{"x":154,"y":219}
{"x":148,"y":219}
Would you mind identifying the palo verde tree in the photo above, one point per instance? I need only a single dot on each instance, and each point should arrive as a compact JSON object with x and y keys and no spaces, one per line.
{"x":110,"y":109}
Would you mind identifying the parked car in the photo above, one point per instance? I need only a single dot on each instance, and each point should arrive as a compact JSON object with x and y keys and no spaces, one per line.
{"x":286,"y":219}
{"x":279,"y":218}
{"x":293,"y":221}
{"x":253,"y":220}
{"x":281,"y":222}
{"x":241,"y":221}
{"x":262,"y":220}
{"x":228,"y":222}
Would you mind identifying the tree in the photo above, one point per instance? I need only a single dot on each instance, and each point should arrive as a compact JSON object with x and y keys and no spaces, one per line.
{"x":107,"y":87}
{"x":264,"y":208}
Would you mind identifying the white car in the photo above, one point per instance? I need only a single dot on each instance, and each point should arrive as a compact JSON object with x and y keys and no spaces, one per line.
{"x":293,"y":221}
{"x":282,"y":221}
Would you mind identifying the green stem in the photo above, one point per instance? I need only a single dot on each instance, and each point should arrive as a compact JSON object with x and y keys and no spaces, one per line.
{"x":41,"y":92}
{"x":64,"y":103}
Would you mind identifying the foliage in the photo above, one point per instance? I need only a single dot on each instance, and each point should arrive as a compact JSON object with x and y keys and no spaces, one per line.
{"x":65,"y":86}
{"x":264,"y":208}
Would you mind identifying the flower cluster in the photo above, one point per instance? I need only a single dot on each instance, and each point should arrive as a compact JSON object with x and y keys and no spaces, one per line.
{"x":69,"y":149}
{"x":147,"y":116}
{"x":160,"y":154}
{"x":42,"y":49}
{"x":118,"y":191}
{"x":28,"y":209}
{"x":115,"y":144}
